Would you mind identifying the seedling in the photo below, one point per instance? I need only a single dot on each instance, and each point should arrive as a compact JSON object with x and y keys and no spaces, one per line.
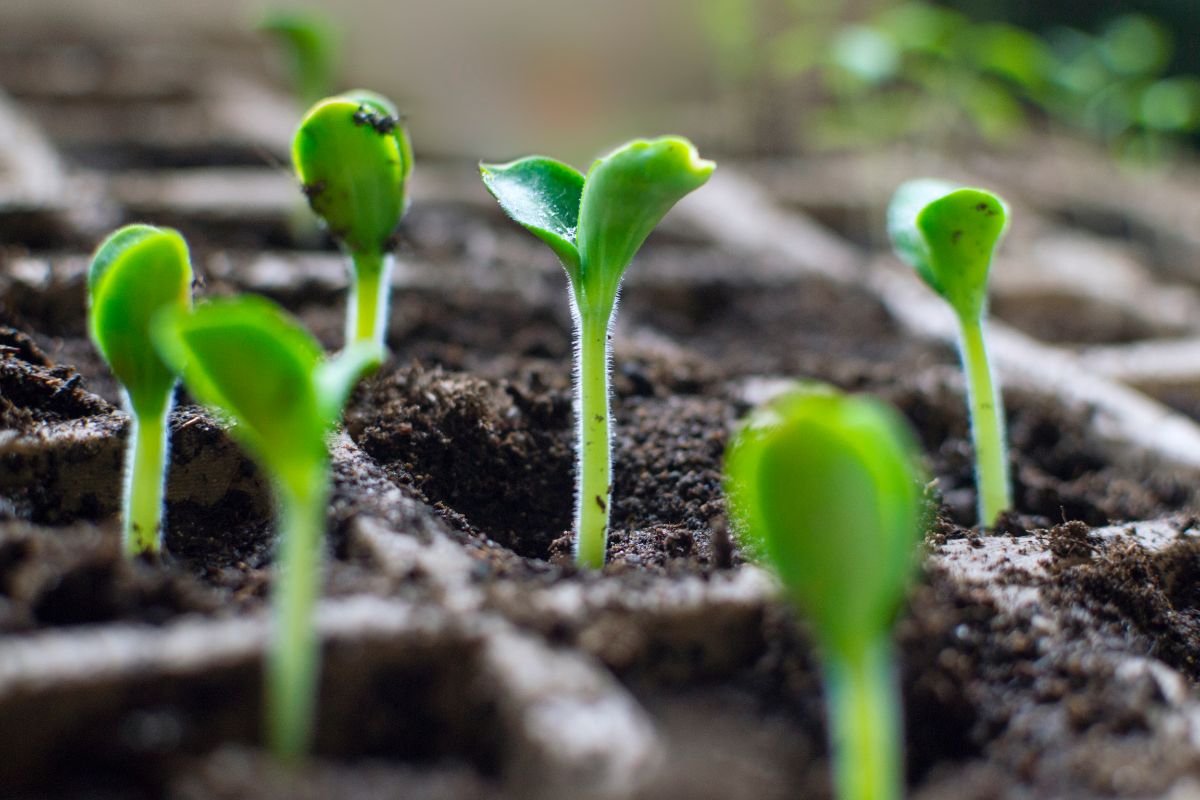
{"x":827,"y":487}
{"x":137,"y":272}
{"x":310,"y":42}
{"x":948,"y":234}
{"x":248,"y":359}
{"x":353,"y":157}
{"x":595,"y":225}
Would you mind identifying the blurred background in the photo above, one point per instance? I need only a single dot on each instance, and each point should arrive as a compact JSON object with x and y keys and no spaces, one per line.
{"x":480,"y":78}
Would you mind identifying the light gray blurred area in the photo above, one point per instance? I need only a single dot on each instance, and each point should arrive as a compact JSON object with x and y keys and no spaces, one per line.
{"x":486,"y":78}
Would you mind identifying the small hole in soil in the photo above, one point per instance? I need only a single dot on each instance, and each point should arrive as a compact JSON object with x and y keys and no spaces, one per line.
{"x":500,"y":454}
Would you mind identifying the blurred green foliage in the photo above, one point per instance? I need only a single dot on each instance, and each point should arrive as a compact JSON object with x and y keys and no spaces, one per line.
{"x":883,"y":71}
{"x":310,"y":42}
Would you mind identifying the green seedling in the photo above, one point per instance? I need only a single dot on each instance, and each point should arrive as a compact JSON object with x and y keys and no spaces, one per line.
{"x":595,"y":225}
{"x":949,"y":234}
{"x":827,"y":487}
{"x":310,"y":43}
{"x":353,"y":157}
{"x":249,"y":360}
{"x":137,"y":272}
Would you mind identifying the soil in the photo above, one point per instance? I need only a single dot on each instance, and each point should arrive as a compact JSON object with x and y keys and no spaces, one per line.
{"x":455,"y":622}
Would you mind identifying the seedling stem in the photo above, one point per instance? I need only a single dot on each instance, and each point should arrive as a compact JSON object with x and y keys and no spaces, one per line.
{"x":861,"y":692}
{"x":987,"y":423}
{"x":145,"y":476}
{"x":594,"y":456}
{"x":292,"y":678}
{"x":366,"y":315}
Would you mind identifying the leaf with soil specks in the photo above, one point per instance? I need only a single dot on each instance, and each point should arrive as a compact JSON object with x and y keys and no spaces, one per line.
{"x":948,"y":234}
{"x":354,"y":158}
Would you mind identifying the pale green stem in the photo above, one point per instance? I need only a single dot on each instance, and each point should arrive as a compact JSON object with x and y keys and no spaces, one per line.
{"x":593,"y":453}
{"x":987,"y":425}
{"x":145,"y":476}
{"x":367,"y":311}
{"x":864,"y":721}
{"x":293,"y":662}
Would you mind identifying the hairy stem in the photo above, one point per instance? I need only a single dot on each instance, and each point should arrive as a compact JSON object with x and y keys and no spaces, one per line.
{"x":292,"y":669}
{"x":594,"y":473}
{"x":864,"y":719}
{"x":145,"y":476}
{"x":370,"y":284}
{"x":987,"y":426}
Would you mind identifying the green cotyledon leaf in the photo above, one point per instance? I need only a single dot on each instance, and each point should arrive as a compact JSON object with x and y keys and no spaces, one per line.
{"x":625,"y":195}
{"x":354,"y":158}
{"x":135,"y":273}
{"x":542,"y":195}
{"x":829,"y":488}
{"x":248,"y":358}
{"x":949,"y":235}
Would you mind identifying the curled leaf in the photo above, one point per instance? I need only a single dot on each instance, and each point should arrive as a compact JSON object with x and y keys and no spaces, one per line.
{"x":135,"y":273}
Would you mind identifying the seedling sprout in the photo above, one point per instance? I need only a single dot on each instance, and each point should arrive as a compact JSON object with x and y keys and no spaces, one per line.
{"x":827,"y":487}
{"x":137,"y":272}
{"x":949,"y":234}
{"x":595,"y":225}
{"x":353,"y":157}
{"x":310,"y":43}
{"x":250,"y":360}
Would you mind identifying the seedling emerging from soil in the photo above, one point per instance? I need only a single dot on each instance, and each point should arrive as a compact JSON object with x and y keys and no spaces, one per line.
{"x":595,"y":225}
{"x":248,"y":359}
{"x":137,"y":272}
{"x":310,"y":42}
{"x":353,"y":157}
{"x":948,"y":234}
{"x":828,"y":489}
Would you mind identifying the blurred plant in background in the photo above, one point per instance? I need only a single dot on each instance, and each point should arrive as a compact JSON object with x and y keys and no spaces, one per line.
{"x":310,"y":42}
{"x":866,"y":73}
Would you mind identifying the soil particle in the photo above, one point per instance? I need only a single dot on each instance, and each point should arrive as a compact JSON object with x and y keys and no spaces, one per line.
{"x":1072,"y":543}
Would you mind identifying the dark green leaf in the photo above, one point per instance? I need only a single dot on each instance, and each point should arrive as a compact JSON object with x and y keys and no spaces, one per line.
{"x":543,"y":195}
